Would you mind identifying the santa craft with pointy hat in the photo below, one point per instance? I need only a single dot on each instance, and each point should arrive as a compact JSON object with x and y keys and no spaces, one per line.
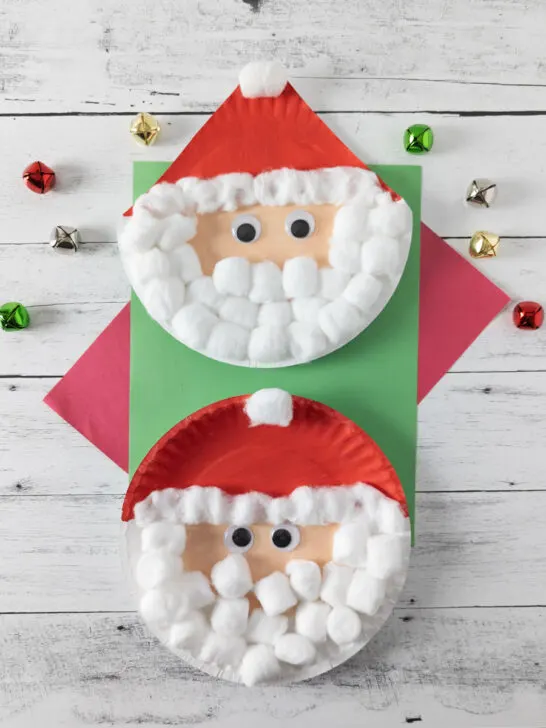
{"x":267,"y":242}
{"x":270,"y":537}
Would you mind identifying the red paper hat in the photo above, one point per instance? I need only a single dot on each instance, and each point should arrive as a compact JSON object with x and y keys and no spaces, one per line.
{"x":263,"y":125}
{"x":269,"y":443}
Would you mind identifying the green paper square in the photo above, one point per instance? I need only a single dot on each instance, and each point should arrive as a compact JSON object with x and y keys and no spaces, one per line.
{"x":372,"y":380}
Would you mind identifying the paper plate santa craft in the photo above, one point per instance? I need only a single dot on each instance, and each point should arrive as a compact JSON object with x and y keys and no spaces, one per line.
{"x":268,"y":536}
{"x":267,"y":242}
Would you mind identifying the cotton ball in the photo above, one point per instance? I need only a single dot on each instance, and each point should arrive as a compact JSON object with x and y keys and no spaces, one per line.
{"x":332,"y":283}
{"x":350,"y":223}
{"x":300,"y":277}
{"x":179,"y":230}
{"x":235,"y":190}
{"x":239,"y":311}
{"x":275,"y":594}
{"x":202,"y":290}
{"x":340,"y":320}
{"x":230,"y":616}
{"x":278,"y":313}
{"x":231,"y":276}
{"x":262,"y":628}
{"x":365,"y":593}
{"x":163,"y":298}
{"x":305,"y":578}
{"x":157,"y":567}
{"x":391,"y":218}
{"x":218,"y":506}
{"x":163,"y":605}
{"x":269,"y":407}
{"x":259,"y":665}
{"x":366,"y":499}
{"x":335,"y":584}
{"x":262,"y":78}
{"x":223,"y":650}
{"x":306,"y":310}
{"x":145,"y":512}
{"x":363,"y":291}
{"x":168,"y":536}
{"x":343,"y":625}
{"x":344,"y":255}
{"x":390,"y":517}
{"x":307,"y":342}
{"x":311,"y":620}
{"x":193,"y":505}
{"x":196,"y":588}
{"x":231,"y":576}
{"x":381,"y":256}
{"x":387,"y":554}
{"x":141,"y":233}
{"x":189,"y":632}
{"x":335,"y":503}
{"x":268,"y":344}
{"x":247,"y":508}
{"x":187,"y":262}
{"x":149,"y":266}
{"x":193,"y":325}
{"x":165,"y":200}
{"x":349,"y":544}
{"x":295,"y":649}
{"x":266,"y":282}
{"x":305,"y":502}
{"x":228,"y":342}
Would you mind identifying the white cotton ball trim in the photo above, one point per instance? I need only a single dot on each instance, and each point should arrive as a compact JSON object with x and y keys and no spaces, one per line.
{"x":168,"y":536}
{"x":332,"y":283}
{"x":311,"y":618}
{"x":389,"y":217}
{"x":259,"y":665}
{"x":264,"y":629}
{"x":295,"y":649}
{"x":340,"y":320}
{"x":266,"y":283}
{"x":300,"y":277}
{"x":275,"y":594}
{"x":231,"y":276}
{"x":306,"y":310}
{"x":343,"y":625}
{"x":189,"y":632}
{"x":202,"y":290}
{"x":390,"y":518}
{"x":366,"y":593}
{"x":247,"y":508}
{"x":278,"y":313}
{"x":141,"y":233}
{"x":387,"y":554}
{"x":349,"y":543}
{"x":335,"y":584}
{"x":193,"y":507}
{"x":239,"y":311}
{"x":179,"y":230}
{"x":230,"y":616}
{"x":163,"y":605}
{"x":305,"y":578}
{"x":193,"y":324}
{"x":307,"y":342}
{"x":269,"y":407}
{"x":344,"y":255}
{"x":381,"y":256}
{"x":350,"y":223}
{"x":156,"y":567}
{"x":163,"y":298}
{"x":196,"y":588}
{"x":362,"y":291}
{"x":153,"y":264}
{"x":268,"y":344}
{"x":223,"y":650}
{"x":262,"y":78}
{"x":231,"y":577}
{"x":228,"y":342}
{"x":187,"y":262}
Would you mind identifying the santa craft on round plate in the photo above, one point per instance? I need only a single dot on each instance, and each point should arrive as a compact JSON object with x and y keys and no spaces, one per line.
{"x":267,"y":242}
{"x":268,"y":536}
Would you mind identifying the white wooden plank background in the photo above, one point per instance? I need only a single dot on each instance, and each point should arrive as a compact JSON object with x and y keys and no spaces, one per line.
{"x":467,"y":646}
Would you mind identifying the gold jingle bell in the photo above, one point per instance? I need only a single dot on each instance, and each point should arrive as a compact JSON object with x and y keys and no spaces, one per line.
{"x":145,"y":129}
{"x":483,"y":244}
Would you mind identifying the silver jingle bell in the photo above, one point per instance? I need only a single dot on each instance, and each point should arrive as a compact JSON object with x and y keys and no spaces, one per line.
{"x":481,"y":193}
{"x":65,"y":239}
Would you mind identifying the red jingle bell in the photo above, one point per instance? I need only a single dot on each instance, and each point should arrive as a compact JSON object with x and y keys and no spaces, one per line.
{"x":39,"y":177}
{"x":528,"y":315}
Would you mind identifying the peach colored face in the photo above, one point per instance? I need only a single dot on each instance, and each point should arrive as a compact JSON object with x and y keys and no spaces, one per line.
{"x":261,"y":232}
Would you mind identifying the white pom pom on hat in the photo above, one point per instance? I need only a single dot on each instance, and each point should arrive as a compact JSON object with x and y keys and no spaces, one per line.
{"x":262,"y":79}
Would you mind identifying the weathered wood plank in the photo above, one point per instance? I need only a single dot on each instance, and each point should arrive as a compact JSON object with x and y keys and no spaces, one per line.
{"x":94,"y":167}
{"x":186,"y":56}
{"x":476,"y":432}
{"x":459,"y":668}
{"x":487,"y":549}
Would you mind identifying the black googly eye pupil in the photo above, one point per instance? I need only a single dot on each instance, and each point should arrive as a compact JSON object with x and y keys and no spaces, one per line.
{"x":300,"y":228}
{"x":241,"y":537}
{"x":246,"y":232}
{"x":282,"y":538}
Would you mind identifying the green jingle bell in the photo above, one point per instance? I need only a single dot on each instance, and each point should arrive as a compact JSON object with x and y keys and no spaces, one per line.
{"x":14,"y":316}
{"x":418,"y":139}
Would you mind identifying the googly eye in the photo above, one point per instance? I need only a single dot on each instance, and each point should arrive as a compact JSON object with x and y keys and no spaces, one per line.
{"x":285,"y":537}
{"x":300,"y":224}
{"x":238,"y":539}
{"x":246,"y":229}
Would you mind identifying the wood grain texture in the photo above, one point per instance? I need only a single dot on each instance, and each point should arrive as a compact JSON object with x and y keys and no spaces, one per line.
{"x":433,"y":667}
